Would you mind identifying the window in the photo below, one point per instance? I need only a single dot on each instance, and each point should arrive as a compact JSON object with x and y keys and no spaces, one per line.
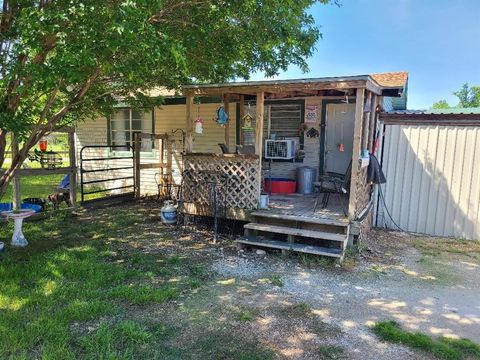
{"x":285,"y":121}
{"x":281,"y":121}
{"x":124,"y":123}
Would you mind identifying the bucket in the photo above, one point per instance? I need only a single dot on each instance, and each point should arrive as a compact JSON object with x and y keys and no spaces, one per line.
{"x":168,"y":213}
{"x":263,"y":204}
{"x":306,"y":176}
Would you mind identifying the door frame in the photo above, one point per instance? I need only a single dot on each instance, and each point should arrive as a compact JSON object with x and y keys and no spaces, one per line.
{"x":323,"y":130}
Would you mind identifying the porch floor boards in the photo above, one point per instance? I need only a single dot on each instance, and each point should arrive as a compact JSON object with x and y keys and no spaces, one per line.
{"x":297,"y":205}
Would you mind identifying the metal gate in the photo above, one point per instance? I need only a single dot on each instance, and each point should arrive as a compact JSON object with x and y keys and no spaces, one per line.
{"x":107,"y":172}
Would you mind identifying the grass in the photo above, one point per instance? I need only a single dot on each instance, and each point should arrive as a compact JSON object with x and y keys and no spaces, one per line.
{"x":35,"y":186}
{"x":86,"y":287}
{"x":435,"y":247}
{"x":69,"y":275}
{"x":331,"y":352}
{"x":297,"y":310}
{"x":276,"y":280}
{"x":442,"y":348}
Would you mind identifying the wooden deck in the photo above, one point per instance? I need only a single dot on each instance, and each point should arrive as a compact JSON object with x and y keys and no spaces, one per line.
{"x":296,"y":205}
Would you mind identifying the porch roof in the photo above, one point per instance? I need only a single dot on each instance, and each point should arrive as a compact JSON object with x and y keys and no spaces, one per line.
{"x":308,"y":86}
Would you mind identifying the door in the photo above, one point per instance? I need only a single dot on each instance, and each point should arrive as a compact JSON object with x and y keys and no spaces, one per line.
{"x":340,"y":122}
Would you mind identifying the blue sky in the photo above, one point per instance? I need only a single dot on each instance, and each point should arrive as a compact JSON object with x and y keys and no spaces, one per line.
{"x":436,"y":41}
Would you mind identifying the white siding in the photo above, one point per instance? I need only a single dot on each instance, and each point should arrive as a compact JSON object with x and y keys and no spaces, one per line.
{"x":167,"y":118}
{"x":433,"y":182}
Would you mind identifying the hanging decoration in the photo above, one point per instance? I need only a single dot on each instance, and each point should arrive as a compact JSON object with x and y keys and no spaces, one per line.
{"x":222,"y":116}
{"x":199,"y":125}
{"x":311,"y":113}
{"x":247,"y":120}
{"x":198,"y":121}
{"x":313,"y":133}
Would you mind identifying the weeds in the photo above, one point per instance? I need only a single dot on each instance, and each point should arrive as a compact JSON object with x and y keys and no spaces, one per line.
{"x":331,"y":352}
{"x":443,"y":348}
{"x":276,"y":280}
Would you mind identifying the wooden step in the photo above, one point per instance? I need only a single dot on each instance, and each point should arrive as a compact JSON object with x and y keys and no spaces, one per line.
{"x":297,"y":232}
{"x":326,"y":221}
{"x":303,"y":248}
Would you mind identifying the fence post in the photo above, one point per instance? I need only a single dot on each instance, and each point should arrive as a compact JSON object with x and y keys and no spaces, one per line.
{"x":72,"y":152}
{"x":136,"y":156}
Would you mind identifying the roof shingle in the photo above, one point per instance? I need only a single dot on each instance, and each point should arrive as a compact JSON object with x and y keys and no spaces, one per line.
{"x":391,"y":79}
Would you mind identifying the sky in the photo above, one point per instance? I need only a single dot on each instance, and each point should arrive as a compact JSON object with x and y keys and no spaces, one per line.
{"x":436,"y":41}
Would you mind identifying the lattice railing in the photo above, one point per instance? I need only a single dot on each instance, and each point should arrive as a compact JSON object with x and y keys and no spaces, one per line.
{"x":236,"y":178}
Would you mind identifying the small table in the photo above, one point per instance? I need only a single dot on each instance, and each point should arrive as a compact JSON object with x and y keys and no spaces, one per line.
{"x":18,"y":239}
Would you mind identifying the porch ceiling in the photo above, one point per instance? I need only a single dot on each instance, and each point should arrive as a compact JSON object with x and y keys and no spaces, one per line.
{"x":331,"y":86}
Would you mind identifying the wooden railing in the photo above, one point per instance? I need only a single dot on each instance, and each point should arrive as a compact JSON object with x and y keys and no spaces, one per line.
{"x":236,"y":177}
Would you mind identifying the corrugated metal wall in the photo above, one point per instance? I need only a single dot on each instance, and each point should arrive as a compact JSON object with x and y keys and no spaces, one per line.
{"x":433,"y":180}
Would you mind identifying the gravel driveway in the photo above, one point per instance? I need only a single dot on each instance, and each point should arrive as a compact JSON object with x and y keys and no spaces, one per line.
{"x":427,"y":285}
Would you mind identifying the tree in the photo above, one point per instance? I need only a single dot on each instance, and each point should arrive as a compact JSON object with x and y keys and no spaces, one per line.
{"x":63,"y":61}
{"x":468,"y":96}
{"x":442,"y":104}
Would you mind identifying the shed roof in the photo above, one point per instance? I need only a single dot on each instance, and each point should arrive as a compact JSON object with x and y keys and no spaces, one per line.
{"x":444,"y":117}
{"x":449,"y":111}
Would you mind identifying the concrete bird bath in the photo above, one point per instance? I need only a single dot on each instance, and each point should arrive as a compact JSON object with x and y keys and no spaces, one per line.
{"x":18,"y":239}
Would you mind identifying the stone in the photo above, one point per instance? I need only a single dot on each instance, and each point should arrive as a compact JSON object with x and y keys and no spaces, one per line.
{"x":261,"y":252}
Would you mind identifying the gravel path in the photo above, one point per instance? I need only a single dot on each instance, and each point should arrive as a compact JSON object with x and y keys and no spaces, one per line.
{"x":436,"y":295}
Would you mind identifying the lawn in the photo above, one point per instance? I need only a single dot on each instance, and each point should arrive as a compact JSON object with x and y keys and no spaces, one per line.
{"x":35,"y":186}
{"x":82,"y":289}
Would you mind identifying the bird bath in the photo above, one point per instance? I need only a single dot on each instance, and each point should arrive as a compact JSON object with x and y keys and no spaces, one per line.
{"x":18,"y":239}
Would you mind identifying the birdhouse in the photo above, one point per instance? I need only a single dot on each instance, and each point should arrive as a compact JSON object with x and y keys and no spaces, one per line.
{"x":247,"y":122}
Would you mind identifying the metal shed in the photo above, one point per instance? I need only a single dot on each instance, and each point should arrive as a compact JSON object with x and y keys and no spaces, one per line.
{"x":431,"y":160}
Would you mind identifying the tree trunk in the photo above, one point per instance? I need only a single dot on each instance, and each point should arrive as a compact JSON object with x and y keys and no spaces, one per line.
{"x":3,"y":146}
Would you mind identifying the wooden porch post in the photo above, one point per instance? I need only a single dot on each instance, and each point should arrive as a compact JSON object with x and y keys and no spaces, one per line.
{"x":259,"y":124}
{"x":373,"y":122}
{"x":189,"y":124}
{"x":259,"y":136}
{"x":242,"y":114}
{"x":366,"y":123}
{"x":226,"y":106}
{"x":357,"y":143}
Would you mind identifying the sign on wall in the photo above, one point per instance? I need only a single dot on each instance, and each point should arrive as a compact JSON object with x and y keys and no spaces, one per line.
{"x":311,"y":113}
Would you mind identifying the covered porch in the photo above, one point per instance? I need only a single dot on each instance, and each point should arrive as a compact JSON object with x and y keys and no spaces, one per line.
{"x":336,"y":131}
{"x":360,"y":96}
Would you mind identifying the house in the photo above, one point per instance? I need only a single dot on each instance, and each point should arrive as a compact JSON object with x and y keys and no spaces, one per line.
{"x":323,"y":123}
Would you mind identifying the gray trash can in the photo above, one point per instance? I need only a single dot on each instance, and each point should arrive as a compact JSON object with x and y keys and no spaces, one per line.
{"x":306,"y":176}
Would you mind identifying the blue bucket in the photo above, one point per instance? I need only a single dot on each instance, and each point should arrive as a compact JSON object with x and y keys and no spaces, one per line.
{"x":24,"y":206}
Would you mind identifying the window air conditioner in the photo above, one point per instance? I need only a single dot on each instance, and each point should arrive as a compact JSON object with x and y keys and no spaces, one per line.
{"x":280,"y":149}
